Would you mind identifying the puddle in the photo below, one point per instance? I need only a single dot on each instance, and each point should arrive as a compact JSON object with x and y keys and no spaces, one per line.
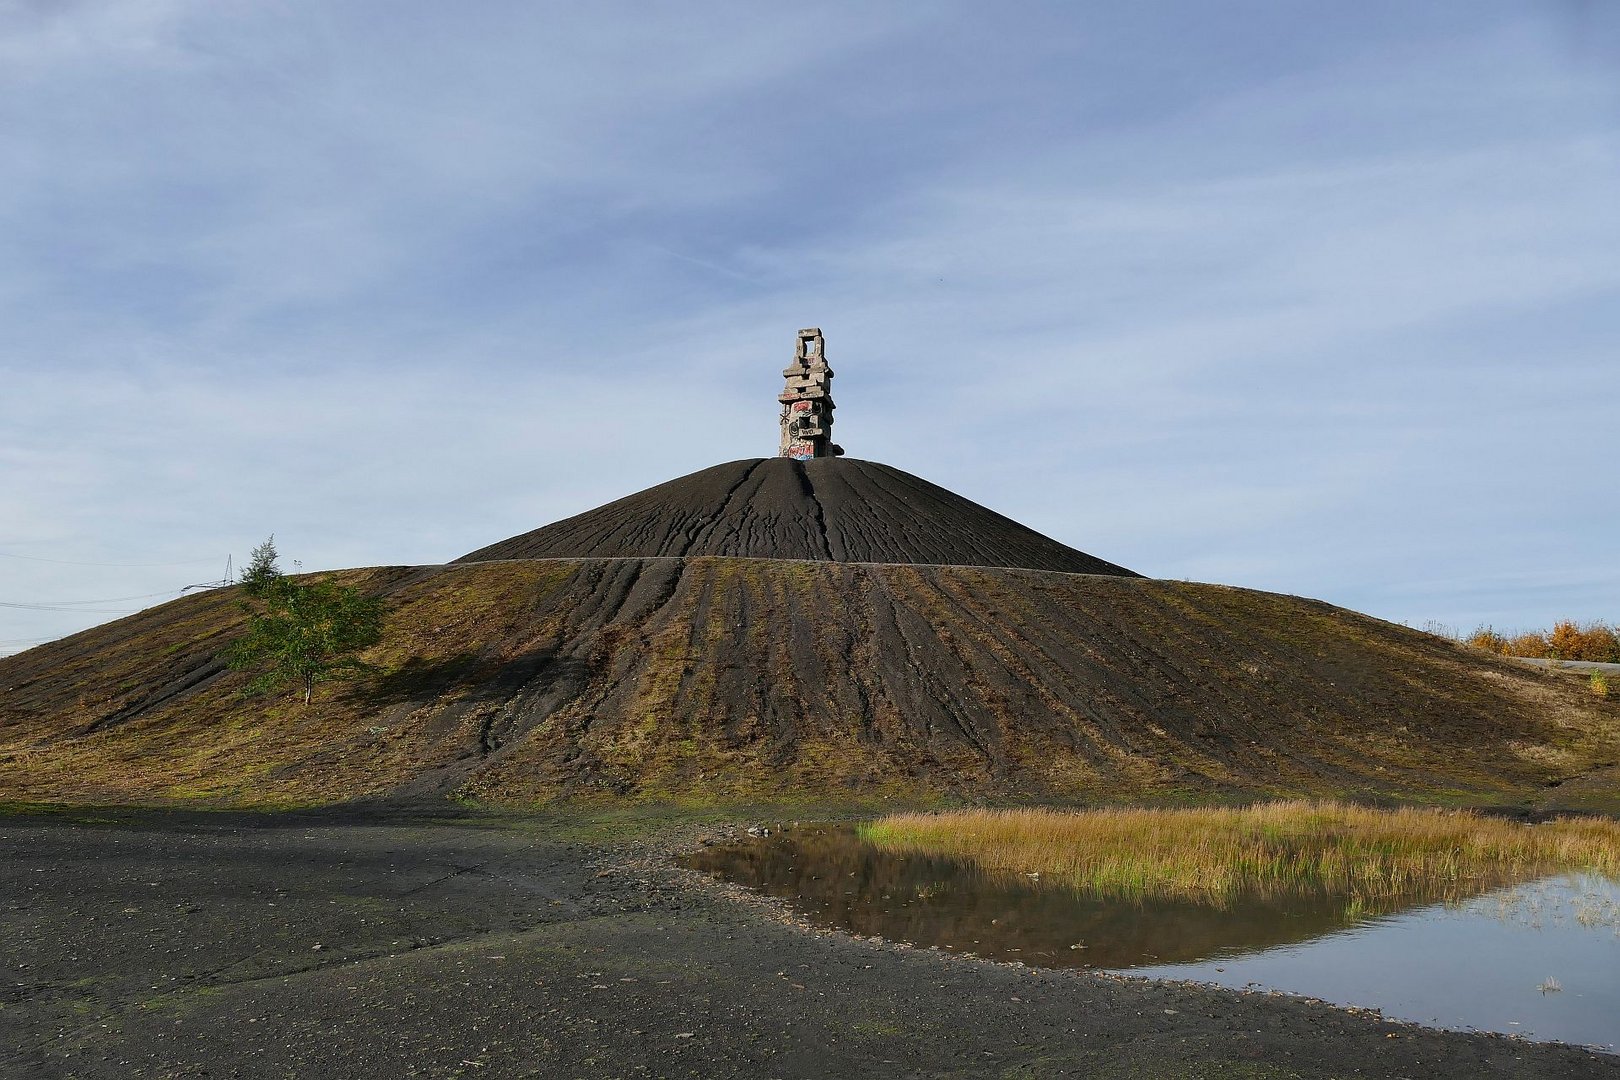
{"x":1539,"y":959}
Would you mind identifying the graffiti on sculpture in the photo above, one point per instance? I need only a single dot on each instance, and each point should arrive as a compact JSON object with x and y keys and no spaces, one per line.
{"x":807,"y":404}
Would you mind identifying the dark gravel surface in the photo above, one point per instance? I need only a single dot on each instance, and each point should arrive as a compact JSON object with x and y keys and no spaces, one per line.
{"x":834,"y":509}
{"x":398,"y":943}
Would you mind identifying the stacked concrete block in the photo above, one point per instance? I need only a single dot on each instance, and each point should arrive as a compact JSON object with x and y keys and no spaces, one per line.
{"x":807,"y":404}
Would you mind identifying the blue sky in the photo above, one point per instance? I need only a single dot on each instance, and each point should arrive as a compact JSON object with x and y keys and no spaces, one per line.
{"x":1321,"y":298}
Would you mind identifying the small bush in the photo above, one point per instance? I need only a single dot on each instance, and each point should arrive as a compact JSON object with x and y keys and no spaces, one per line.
{"x":1600,"y":684}
{"x":1533,"y":645}
{"x":1568,"y":640}
{"x":1596,"y":641}
{"x":1488,"y":639}
{"x":1601,"y":643}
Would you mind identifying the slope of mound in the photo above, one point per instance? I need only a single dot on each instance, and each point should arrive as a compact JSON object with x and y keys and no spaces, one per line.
{"x":698,"y":679}
{"x":837,"y":509}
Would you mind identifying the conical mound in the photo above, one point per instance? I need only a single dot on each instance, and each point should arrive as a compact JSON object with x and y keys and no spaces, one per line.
{"x":807,"y":630}
{"x":755,"y":679}
{"x":824,"y":509}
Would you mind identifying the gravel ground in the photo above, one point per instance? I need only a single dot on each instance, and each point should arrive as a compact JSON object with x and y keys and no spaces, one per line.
{"x":828,"y":509}
{"x":1571,"y":665}
{"x":426,"y":942}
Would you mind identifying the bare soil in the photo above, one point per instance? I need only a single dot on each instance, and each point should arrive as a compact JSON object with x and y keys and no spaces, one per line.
{"x":834,"y":509}
{"x":393,"y":942}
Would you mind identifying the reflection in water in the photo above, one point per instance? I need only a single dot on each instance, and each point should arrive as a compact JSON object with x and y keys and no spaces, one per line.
{"x":1541,"y":959}
{"x":1484,"y":963}
{"x":836,"y":879}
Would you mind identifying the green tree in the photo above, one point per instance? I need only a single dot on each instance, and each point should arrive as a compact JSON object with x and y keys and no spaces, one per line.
{"x":261,"y":573}
{"x":298,"y":632}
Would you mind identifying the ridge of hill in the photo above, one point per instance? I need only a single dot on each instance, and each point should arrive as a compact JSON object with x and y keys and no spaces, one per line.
{"x":716,"y":679}
{"x":824,"y":509}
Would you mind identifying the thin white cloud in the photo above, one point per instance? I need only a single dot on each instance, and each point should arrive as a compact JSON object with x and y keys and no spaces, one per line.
{"x":391,"y":283}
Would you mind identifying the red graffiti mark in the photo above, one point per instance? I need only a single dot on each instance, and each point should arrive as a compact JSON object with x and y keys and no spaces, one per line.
{"x":801,"y":406}
{"x":801,"y":450}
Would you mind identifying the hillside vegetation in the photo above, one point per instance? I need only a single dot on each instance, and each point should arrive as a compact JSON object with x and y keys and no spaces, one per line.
{"x":714,"y":679}
{"x":1567,"y":640}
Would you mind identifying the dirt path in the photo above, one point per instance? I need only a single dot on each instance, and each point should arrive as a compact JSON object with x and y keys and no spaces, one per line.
{"x":400,"y":943}
{"x":1571,"y":665}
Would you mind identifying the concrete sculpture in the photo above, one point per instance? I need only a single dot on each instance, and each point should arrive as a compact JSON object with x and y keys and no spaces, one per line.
{"x":807,"y":404}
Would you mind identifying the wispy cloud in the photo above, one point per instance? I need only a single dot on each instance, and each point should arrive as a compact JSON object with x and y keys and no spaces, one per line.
{"x":1314,"y":301}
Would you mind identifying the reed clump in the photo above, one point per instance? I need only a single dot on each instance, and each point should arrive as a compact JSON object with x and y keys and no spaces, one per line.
{"x":1223,"y":854}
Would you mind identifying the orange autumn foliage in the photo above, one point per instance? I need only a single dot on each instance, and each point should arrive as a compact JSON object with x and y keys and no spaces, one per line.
{"x":1568,"y":640}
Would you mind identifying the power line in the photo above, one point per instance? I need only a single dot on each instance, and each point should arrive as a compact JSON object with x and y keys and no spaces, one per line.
{"x":68,"y":562}
{"x":228,"y":579}
{"x":13,"y":646}
{"x":50,"y":605}
{"x":86,"y":610}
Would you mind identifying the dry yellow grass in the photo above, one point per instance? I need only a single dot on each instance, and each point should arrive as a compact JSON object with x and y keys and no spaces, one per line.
{"x":1222,"y":854}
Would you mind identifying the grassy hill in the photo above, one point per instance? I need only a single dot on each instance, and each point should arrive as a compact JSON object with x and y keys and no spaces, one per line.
{"x":697,"y":678}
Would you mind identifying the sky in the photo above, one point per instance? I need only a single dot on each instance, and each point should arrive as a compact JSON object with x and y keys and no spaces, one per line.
{"x":1297,"y":295}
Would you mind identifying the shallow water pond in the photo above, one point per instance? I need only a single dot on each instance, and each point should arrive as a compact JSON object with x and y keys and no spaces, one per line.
{"x":1540,"y":959}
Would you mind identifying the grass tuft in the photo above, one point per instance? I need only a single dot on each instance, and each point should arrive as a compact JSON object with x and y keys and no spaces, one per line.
{"x":1220,"y":855}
